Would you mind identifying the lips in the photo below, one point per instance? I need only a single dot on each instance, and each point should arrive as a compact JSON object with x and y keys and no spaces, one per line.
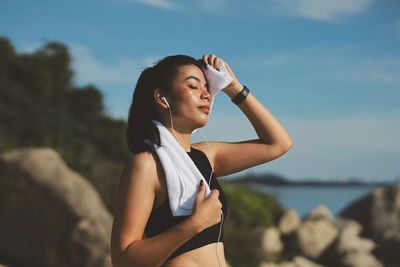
{"x":205,"y":109}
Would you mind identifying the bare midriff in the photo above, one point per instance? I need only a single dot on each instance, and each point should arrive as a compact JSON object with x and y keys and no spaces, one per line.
{"x":200,"y":257}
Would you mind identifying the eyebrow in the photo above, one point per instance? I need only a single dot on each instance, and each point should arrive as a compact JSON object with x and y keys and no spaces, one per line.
{"x":193,"y":77}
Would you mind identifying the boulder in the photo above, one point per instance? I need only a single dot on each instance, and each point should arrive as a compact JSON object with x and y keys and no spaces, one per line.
{"x":50,"y":215}
{"x":289,"y":221}
{"x":315,"y":234}
{"x":320,"y":213}
{"x":304,"y":262}
{"x":349,"y":240}
{"x":360,"y":260}
{"x":378,"y":212}
{"x":349,"y":249}
{"x":272,"y":245}
{"x":283,"y":264}
{"x":297,"y":261}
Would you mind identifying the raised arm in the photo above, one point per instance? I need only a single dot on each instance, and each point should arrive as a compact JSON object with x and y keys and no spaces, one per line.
{"x":232,"y":157}
{"x":135,"y":198}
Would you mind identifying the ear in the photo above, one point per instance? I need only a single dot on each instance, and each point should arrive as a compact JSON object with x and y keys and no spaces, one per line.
{"x":158,"y":93}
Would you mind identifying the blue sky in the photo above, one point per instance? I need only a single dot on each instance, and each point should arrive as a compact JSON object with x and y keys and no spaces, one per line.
{"x":328,"y":70}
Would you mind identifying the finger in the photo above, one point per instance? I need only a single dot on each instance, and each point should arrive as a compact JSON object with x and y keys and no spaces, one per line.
{"x":205,"y":58}
{"x":215,"y":192}
{"x":229,"y":70}
{"x":218,"y":63}
{"x":215,"y":62}
{"x":200,"y":194}
{"x":211,"y":60}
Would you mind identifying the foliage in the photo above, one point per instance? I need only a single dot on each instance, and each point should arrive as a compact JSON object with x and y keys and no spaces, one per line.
{"x":40,"y":106}
{"x":249,"y":212}
{"x":251,"y":208}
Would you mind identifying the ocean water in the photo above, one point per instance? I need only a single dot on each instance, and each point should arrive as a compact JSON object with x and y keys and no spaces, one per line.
{"x":306,"y":198}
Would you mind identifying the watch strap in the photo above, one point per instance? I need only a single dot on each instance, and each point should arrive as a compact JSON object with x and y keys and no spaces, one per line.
{"x":240,"y":97}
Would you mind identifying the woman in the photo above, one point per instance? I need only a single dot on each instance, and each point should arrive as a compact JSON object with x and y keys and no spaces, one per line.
{"x":175,"y":92}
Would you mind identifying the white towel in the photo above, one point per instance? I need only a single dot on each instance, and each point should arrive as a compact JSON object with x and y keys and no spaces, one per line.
{"x":217,"y":80}
{"x":182,"y":175}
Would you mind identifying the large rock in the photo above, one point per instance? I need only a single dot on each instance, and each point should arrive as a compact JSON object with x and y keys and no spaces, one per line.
{"x":349,"y":240}
{"x":289,"y":221}
{"x":320,"y":213}
{"x":361,"y":260}
{"x":304,"y":262}
{"x":315,"y":234}
{"x":377,"y":211}
{"x":50,"y":215}
{"x":379,"y":214}
{"x":349,"y":249}
{"x":283,"y":264}
{"x":297,"y":261}
{"x":271,"y":243}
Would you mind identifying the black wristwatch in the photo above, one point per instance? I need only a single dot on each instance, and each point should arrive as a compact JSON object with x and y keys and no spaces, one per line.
{"x":241,"y":96}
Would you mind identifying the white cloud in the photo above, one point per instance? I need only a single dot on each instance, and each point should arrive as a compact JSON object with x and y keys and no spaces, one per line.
{"x":364,"y":145}
{"x":323,"y":10}
{"x":328,"y":10}
{"x":397,"y":30}
{"x":161,"y":4}
{"x":213,"y":5}
{"x":333,"y":62}
{"x":375,"y":131}
{"x":29,"y":48}
{"x":367,"y":132}
{"x":385,"y":70}
{"x":89,"y":69}
{"x":150,"y":60}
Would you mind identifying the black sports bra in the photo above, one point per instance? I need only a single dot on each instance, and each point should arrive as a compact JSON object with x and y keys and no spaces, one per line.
{"x":161,"y":218}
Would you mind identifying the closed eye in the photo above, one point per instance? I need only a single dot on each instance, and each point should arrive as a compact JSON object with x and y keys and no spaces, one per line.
{"x":195,"y":87}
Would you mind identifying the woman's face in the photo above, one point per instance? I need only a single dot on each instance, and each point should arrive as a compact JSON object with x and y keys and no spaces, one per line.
{"x":190,"y":92}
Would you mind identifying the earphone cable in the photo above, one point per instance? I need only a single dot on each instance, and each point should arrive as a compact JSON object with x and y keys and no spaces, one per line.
{"x":209,"y":182}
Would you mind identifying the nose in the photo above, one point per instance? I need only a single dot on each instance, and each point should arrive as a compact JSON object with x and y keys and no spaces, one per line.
{"x":206,"y":93}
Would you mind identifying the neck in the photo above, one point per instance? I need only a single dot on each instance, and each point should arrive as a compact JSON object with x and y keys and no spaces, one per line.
{"x":182,"y":136}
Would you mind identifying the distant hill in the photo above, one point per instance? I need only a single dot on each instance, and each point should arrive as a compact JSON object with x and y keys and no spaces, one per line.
{"x":277,"y":180}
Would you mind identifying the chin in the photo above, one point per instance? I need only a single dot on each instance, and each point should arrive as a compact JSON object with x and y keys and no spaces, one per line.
{"x":203,"y":122}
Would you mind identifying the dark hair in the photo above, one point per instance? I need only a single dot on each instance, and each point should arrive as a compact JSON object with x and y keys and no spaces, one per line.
{"x":142,"y":109}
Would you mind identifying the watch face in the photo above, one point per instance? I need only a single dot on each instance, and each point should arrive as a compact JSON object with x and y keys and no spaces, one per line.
{"x":241,"y":96}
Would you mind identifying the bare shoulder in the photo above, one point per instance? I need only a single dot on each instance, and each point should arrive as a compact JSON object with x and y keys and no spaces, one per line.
{"x":145,"y":162}
{"x":134,"y":200}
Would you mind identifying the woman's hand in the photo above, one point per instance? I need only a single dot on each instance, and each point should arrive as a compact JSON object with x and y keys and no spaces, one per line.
{"x":211,"y":59}
{"x":206,"y":210}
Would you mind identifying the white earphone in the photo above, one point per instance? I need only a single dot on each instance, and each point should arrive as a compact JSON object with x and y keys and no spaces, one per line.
{"x":165,"y":100}
{"x":212,"y":170}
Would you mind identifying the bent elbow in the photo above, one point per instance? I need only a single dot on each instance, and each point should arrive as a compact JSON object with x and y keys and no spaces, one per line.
{"x":290,"y":145}
{"x":117,"y":257}
{"x":287,"y":147}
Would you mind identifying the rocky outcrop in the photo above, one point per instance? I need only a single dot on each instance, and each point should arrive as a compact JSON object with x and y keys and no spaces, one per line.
{"x":297,"y":261}
{"x":271,"y":243}
{"x":378,"y":213}
{"x":315,"y":234}
{"x":50,"y":215}
{"x":349,"y":249}
{"x":317,"y":240}
{"x":289,"y":221}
